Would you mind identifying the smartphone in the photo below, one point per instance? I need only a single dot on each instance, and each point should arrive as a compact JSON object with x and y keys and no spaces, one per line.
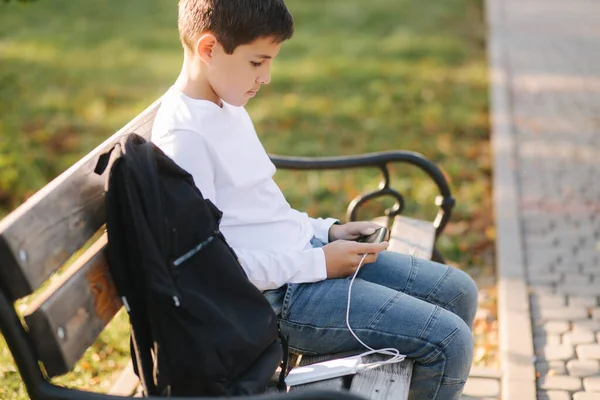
{"x":376,"y":237}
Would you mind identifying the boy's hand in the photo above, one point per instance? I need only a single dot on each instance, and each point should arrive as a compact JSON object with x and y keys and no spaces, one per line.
{"x":342,"y":256}
{"x":352,"y":230}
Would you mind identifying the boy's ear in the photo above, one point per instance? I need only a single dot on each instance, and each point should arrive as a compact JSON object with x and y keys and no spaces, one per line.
{"x":205,"y":46}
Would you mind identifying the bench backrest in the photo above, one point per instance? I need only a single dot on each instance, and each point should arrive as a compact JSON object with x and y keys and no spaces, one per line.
{"x":41,"y":235}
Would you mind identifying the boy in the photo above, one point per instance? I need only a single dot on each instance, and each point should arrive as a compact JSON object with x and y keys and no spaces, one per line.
{"x":422,"y":308}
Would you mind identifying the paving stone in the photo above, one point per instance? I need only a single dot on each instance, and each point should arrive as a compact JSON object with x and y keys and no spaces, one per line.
{"x":560,"y":352}
{"x":548,"y":301}
{"x":551,"y":327}
{"x":589,"y":290}
{"x":592,"y":268}
{"x":596,"y":313}
{"x":538,"y":226}
{"x":566,"y":268}
{"x":577,"y":279}
{"x":592,"y":384}
{"x":543,"y":285}
{"x":565,"y":242}
{"x":588,"y":351}
{"x":553,"y":395}
{"x":560,"y":382}
{"x":580,"y":301}
{"x":540,"y":269}
{"x":543,"y":245}
{"x":538,"y":241}
{"x":542,"y":257}
{"x":587,"y":254}
{"x":546,"y":340}
{"x":485,"y":372}
{"x":579,"y":337}
{"x":543,"y":290}
{"x":586,"y":396}
{"x":583,"y":368}
{"x":543,"y":277}
{"x":551,"y":367}
{"x":482,"y":387}
{"x":564,"y":313}
{"x":586,"y":325}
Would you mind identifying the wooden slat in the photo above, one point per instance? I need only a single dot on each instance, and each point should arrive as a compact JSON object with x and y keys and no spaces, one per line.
{"x":40,"y":235}
{"x":412,"y":236}
{"x":127,"y":382}
{"x":65,"y":322}
{"x":382,"y":383}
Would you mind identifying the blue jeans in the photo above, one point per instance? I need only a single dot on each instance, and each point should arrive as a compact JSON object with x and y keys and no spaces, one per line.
{"x":422,"y":308}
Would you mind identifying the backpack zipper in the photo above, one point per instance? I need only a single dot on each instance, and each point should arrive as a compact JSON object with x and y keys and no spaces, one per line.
{"x":193,"y":251}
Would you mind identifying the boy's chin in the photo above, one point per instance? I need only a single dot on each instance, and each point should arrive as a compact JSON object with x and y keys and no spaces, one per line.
{"x":240,"y":102}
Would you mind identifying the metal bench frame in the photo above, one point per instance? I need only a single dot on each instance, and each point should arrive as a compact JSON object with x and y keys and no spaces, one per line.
{"x":21,"y":341}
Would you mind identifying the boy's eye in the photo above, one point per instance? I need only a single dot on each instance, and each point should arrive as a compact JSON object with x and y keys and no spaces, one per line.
{"x":255,"y":64}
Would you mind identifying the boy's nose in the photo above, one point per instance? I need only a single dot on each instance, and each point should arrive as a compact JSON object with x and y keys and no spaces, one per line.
{"x":264,"y":79}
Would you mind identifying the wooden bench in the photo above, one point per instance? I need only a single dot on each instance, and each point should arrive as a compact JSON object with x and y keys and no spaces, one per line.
{"x":65,"y":317}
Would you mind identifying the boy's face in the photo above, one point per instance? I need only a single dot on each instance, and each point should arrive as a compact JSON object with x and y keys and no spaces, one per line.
{"x":236,"y":77}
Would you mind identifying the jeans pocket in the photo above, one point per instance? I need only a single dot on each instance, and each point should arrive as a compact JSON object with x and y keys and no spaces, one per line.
{"x":275,"y":299}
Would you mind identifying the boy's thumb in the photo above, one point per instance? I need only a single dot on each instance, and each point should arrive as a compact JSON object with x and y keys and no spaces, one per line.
{"x":368,"y":231}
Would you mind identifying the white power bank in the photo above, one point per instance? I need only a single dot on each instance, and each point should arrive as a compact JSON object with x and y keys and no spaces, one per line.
{"x":323,"y":370}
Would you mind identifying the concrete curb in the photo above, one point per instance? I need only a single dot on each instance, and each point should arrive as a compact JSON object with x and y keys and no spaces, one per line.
{"x":516,"y":347}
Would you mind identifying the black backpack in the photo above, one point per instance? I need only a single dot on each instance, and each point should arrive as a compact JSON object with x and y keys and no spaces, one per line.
{"x":199,"y":326}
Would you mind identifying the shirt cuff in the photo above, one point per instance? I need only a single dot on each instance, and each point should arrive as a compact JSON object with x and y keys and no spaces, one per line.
{"x":321,"y":228}
{"x":320,"y":265}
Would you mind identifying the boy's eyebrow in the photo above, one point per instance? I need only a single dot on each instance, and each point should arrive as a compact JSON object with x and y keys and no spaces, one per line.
{"x":263,"y":56}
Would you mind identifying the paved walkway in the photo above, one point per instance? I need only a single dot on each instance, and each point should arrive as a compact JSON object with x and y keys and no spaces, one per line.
{"x":545,"y":63}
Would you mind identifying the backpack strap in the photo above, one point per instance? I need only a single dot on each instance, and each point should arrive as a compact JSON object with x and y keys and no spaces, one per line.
{"x":117,"y":196}
{"x":285,"y":360}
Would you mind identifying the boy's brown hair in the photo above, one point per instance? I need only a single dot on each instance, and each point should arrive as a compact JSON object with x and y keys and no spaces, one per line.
{"x":234,"y":22}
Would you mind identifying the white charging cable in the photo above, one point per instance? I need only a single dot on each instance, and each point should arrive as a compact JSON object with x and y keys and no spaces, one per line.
{"x":389,"y":351}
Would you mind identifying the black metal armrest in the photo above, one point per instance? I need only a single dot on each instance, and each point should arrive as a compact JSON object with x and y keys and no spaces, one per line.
{"x":444,"y":201}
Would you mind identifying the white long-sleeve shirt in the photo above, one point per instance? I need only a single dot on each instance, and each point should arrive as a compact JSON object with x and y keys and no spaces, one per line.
{"x":218,"y":146}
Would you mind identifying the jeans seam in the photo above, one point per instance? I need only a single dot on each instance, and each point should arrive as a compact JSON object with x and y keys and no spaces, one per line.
{"x":439,"y":283}
{"x":451,"y":303}
{"x":441,"y":346}
{"x":441,"y":380}
{"x":433,"y":355}
{"x":444,"y":343}
{"x":377,"y":317}
{"x":303,"y":352}
{"x":447,"y":381}
{"x":432,"y":318}
{"x":286,"y":301}
{"x":411,"y":275}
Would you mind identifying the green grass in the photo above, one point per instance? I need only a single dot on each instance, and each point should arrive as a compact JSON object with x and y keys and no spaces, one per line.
{"x":357,"y":76}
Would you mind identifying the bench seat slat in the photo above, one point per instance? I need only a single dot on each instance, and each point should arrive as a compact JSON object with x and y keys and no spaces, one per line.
{"x":39,"y":236}
{"x":385,"y":382}
{"x":69,"y":320}
{"x":382,"y":383}
{"x":412,"y":236}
